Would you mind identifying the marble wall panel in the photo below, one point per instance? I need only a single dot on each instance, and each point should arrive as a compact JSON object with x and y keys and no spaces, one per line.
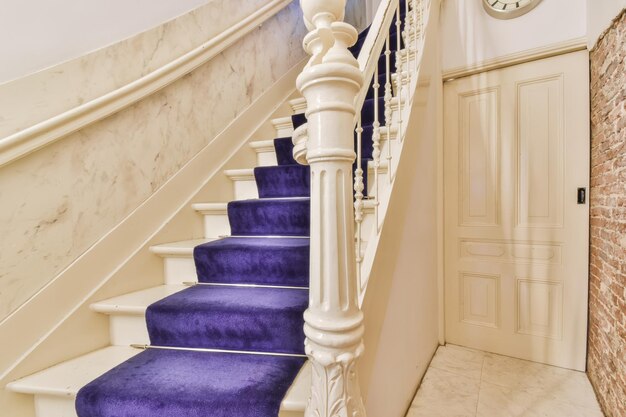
{"x":59,"y":201}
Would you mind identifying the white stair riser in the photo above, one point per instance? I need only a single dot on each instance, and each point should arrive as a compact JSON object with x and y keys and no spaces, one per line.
{"x":178,"y":270}
{"x":284,"y":132}
{"x":371,"y":184}
{"x":245,"y":189}
{"x":283,"y":126}
{"x":367,"y":224}
{"x":216,"y":225}
{"x":54,"y":406}
{"x":126,"y":329}
{"x":266,"y":158}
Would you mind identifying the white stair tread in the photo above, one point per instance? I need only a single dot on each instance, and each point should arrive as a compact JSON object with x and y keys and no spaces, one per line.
{"x":298,"y":105}
{"x":282,"y":121}
{"x":240,"y":174}
{"x":369,"y":205}
{"x":382,"y":166}
{"x":262,"y":145}
{"x":383,"y":132}
{"x":215,"y":208}
{"x":181,"y":248}
{"x":135,"y":302}
{"x":67,"y":378}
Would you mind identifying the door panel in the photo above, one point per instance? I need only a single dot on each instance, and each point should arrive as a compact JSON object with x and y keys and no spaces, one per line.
{"x":516,"y":150}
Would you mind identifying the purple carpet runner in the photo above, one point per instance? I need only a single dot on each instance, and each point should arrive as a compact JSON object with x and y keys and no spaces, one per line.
{"x":269,"y":249}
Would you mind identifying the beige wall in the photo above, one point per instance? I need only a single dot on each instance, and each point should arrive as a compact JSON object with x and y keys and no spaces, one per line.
{"x":600,"y":14}
{"x":471,"y":36}
{"x":401,"y":303}
{"x":37,"y":34}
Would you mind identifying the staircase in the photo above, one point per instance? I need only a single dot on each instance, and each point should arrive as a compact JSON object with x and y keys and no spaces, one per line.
{"x":225,"y":330}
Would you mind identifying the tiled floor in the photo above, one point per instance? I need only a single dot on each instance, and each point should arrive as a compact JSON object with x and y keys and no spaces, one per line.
{"x":467,"y":383}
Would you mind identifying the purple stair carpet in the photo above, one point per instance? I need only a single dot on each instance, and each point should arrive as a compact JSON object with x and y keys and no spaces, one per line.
{"x":230,"y":318}
{"x":246,"y":305}
{"x":282,"y":181}
{"x":284,"y":151}
{"x":263,"y":217}
{"x":254,"y":260}
{"x":169,"y":383}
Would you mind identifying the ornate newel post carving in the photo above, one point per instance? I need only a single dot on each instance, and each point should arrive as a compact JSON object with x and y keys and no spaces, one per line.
{"x":333,"y":321}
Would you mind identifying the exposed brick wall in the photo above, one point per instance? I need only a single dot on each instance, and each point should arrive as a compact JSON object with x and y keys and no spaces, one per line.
{"x":607,"y":292}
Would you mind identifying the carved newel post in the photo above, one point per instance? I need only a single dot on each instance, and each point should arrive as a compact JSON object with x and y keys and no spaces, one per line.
{"x":333,"y":321}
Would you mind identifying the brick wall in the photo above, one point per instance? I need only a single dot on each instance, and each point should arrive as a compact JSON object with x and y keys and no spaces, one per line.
{"x":607,"y":292}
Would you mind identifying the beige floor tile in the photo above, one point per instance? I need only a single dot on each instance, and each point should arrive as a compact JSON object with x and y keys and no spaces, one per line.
{"x":459,"y":360}
{"x":511,"y":372}
{"x":445,"y":394}
{"x":467,"y":383}
{"x":549,"y":381}
{"x":499,"y":401}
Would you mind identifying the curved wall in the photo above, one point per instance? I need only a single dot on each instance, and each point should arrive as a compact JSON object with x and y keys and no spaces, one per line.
{"x":59,"y":201}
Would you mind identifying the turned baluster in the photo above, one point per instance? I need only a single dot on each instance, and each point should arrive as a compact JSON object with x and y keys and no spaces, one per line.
{"x":358,"y":199}
{"x":399,"y":75}
{"x":388,"y":110}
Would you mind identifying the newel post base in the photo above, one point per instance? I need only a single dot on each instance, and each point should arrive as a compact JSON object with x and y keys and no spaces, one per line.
{"x":335,"y":390}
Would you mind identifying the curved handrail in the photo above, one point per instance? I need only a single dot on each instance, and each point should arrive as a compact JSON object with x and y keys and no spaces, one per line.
{"x":373,"y":46}
{"x":28,"y":140}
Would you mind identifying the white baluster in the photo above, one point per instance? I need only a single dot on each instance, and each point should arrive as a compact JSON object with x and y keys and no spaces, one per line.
{"x":407,"y":39}
{"x":376,"y":142}
{"x":399,"y":76}
{"x":422,"y":34}
{"x":416,"y":27}
{"x":333,"y":320}
{"x":358,"y":200}
{"x":388,"y":96}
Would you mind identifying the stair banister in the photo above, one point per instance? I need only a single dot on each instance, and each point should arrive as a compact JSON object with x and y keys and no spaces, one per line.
{"x":333,"y":320}
{"x":374,"y":44}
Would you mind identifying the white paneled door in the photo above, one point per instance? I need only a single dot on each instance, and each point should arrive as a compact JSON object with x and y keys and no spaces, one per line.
{"x":516,"y":235}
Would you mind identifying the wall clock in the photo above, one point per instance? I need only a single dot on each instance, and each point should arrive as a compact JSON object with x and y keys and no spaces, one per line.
{"x":508,"y":9}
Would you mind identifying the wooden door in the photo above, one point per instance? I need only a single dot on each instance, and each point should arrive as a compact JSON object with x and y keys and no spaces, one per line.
{"x":516,"y":237}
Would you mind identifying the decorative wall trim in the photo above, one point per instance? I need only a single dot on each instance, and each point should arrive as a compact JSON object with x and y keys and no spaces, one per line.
{"x":44,"y":133}
{"x":528,"y":55}
{"x":80,"y":282}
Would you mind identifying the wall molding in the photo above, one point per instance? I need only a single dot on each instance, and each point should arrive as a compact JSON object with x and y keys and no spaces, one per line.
{"x":35,"y":137}
{"x":28,"y":329}
{"x":528,"y":55}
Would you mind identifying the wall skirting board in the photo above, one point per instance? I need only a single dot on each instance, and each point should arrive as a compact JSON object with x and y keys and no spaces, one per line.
{"x":28,"y":328}
{"x":48,"y":131}
{"x":548,"y":51}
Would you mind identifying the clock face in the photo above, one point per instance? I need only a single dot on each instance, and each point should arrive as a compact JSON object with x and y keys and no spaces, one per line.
{"x":508,"y":9}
